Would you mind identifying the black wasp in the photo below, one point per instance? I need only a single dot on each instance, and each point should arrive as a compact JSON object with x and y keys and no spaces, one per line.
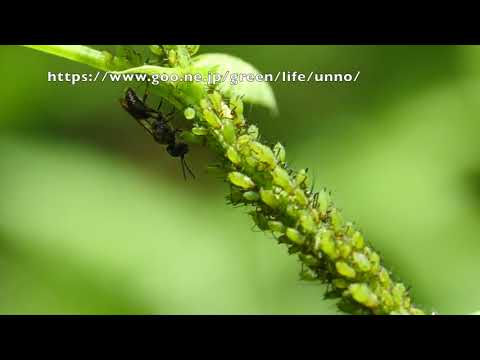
{"x":157,"y":125}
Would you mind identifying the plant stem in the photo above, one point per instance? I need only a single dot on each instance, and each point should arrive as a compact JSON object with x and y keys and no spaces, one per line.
{"x":331,"y":249}
{"x":102,"y":60}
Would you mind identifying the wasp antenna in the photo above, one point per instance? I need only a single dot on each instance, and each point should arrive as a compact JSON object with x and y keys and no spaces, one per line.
{"x":185,"y":165}
{"x":145,"y":94}
{"x":183,"y":169}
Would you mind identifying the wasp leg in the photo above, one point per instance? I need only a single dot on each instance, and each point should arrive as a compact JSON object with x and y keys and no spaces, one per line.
{"x":169,"y":115}
{"x":315,"y":200}
{"x":146,"y":125}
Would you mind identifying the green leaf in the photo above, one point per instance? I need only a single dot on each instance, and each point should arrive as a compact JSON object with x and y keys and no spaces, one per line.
{"x":254,"y":92}
{"x":150,"y":69}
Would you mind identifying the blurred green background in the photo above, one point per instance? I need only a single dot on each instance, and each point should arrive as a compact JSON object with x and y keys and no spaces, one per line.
{"x":96,"y":218}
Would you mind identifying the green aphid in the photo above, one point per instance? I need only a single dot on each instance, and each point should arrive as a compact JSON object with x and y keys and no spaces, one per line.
{"x":200,"y":131}
{"x":189,"y":113}
{"x":239,"y":120}
{"x":340,"y":283}
{"x":307,"y":223}
{"x":279,"y":152}
{"x":324,"y":242}
{"x":357,"y":240}
{"x":192,"y":49}
{"x":252,"y":131}
{"x":350,"y":306}
{"x":398,"y":293}
{"x":226,"y":112}
{"x":278,"y":190}
{"x":172,"y":57}
{"x":384,"y":277}
{"x":301,"y":177}
{"x":323,"y":202}
{"x":315,"y":215}
{"x":108,"y":58}
{"x":345,"y":270}
{"x":281,"y":178}
{"x":205,"y":104}
{"x":229,"y":132}
{"x":292,"y":211}
{"x":345,"y":250}
{"x":293,"y":249}
{"x":269,"y":198}
{"x":217,"y":134}
{"x":156,"y":49}
{"x":309,"y":260}
{"x":191,"y":137}
{"x":400,"y":312}
{"x":301,"y":197}
{"x":263,"y":153}
{"x":241,"y":180}
{"x":415,"y":311}
{"x":243,"y":140}
{"x":362,"y":294}
{"x":233,"y":156}
{"x":276,"y":226}
{"x":236,"y":104}
{"x":332,"y":294}
{"x":251,"y":196}
{"x":216,"y":100}
{"x":307,"y":274}
{"x":261,"y":166}
{"x":260,"y":220}
{"x":386,"y":298}
{"x":251,"y":161}
{"x":212,"y":119}
{"x":295,"y":236}
{"x":361,"y":261}
{"x":337,"y":221}
{"x":349,"y":229}
{"x":235,"y":197}
{"x":374,"y":260}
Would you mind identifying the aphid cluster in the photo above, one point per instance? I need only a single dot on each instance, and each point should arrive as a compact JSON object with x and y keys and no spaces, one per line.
{"x":285,"y":203}
{"x":157,"y":125}
{"x":168,"y":54}
{"x":282,"y":201}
